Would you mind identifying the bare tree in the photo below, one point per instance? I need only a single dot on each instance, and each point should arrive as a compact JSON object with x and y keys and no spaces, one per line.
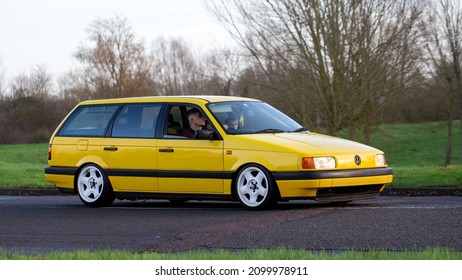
{"x":340,"y":61}
{"x":28,"y":115}
{"x":115,"y":63}
{"x":176,"y":69}
{"x":226,"y":66}
{"x":445,"y":50}
{"x":38,"y":83}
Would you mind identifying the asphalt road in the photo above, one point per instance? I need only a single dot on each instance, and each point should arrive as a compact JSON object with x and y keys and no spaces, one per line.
{"x":40,"y":224}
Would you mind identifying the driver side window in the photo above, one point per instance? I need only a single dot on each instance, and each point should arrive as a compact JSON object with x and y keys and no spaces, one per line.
{"x":178,"y":125}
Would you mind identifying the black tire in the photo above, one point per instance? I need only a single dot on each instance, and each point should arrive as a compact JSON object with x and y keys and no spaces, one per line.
{"x":255,"y":188}
{"x":93,"y":187}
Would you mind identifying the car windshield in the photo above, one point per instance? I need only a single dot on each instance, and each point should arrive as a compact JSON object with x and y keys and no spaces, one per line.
{"x":248,"y":117}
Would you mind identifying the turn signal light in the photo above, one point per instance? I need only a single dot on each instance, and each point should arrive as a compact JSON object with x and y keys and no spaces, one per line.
{"x":308,"y":163}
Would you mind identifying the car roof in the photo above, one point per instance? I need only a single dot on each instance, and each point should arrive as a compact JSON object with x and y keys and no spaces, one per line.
{"x":173,"y":98}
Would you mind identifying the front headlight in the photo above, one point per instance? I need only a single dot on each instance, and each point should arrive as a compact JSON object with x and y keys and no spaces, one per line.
{"x":380,"y":160}
{"x":318,"y":163}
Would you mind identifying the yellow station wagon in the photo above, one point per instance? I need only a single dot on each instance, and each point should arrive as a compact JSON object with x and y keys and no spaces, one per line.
{"x":143,"y":148}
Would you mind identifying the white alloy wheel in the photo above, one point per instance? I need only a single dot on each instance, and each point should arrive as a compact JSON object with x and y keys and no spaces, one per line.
{"x":93,"y":187}
{"x":254,"y":187}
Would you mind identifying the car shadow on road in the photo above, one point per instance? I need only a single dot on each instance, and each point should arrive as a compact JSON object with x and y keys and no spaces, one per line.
{"x":228,"y":205}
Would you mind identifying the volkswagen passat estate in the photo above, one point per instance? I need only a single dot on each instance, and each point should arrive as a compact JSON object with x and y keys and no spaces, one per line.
{"x":246,"y":150}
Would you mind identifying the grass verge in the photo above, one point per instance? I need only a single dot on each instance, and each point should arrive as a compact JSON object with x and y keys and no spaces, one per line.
{"x":257,"y":254}
{"x":22,"y":165}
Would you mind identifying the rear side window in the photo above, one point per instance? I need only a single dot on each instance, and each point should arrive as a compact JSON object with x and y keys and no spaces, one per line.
{"x":136,"y":121}
{"x":91,"y":121}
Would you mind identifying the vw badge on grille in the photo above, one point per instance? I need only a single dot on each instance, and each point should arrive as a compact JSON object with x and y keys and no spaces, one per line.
{"x":357,"y":160}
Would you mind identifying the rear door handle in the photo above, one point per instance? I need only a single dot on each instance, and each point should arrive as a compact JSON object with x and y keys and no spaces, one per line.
{"x":110,"y":148}
{"x":166,"y":150}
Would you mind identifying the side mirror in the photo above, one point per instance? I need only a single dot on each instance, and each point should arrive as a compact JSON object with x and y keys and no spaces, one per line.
{"x":205,"y":134}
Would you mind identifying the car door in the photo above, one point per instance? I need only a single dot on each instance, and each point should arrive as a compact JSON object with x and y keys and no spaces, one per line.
{"x":130,"y":149}
{"x":188,"y":165}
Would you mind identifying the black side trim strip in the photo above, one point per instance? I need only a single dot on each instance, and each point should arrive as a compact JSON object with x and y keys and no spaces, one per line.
{"x":131,"y":172}
{"x":147,"y":173}
{"x":332,"y":174}
{"x":194,"y":174}
{"x":60,"y":170}
{"x":169,"y":173}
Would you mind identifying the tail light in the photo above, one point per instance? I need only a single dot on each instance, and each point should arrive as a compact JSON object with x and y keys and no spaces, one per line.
{"x":49,"y":152}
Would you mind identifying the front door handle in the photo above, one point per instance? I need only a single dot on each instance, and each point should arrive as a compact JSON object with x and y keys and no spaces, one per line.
{"x":110,"y":148}
{"x":166,"y":150}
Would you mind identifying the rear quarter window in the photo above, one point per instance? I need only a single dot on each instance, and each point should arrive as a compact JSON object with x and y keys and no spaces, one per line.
{"x":90,"y":121}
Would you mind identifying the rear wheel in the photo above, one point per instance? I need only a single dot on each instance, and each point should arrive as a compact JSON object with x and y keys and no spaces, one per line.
{"x":93,"y":187}
{"x":255,"y":188}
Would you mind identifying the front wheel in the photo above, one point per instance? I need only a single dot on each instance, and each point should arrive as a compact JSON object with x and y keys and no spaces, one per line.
{"x":255,"y":187}
{"x":93,"y":187}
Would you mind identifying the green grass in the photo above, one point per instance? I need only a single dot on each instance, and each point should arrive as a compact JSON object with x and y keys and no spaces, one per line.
{"x":418,"y":145}
{"x":257,"y":254}
{"x":21,"y":166}
{"x":416,"y":152}
{"x":434,"y":176}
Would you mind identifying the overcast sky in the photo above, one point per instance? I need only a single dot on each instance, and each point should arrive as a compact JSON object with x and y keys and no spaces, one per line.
{"x":48,"y":32}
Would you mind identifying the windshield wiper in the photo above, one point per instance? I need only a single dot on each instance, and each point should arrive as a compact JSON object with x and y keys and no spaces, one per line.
{"x":269,"y":130}
{"x":300,"y":129}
